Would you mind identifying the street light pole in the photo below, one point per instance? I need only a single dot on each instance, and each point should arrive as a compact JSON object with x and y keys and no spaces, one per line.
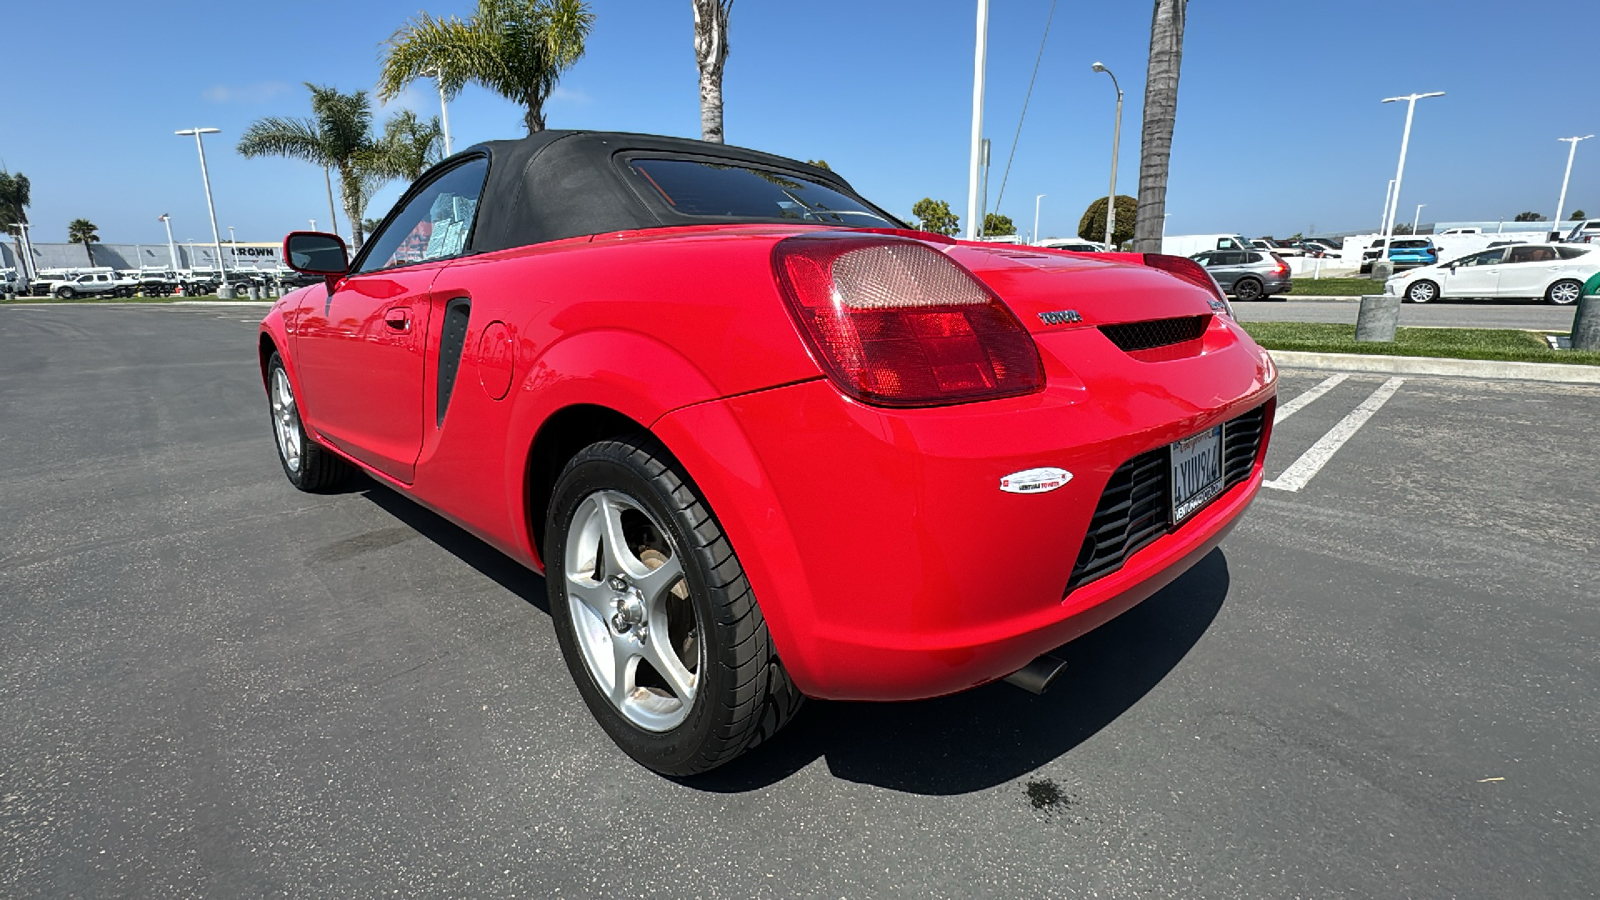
{"x":1116,"y":138}
{"x":1571,"y":152}
{"x":205,"y":176}
{"x":1036,"y":200}
{"x":1417,"y":218}
{"x":1399,"y":173}
{"x":233,"y":248}
{"x":1383,"y":220}
{"x":172,"y":248}
{"x":333,"y":216}
{"x":976,"y":158}
{"x":444,"y":110}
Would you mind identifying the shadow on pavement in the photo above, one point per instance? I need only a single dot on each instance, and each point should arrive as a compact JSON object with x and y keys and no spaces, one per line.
{"x":952,"y":745}
{"x":996,"y":733}
{"x":462,"y":544}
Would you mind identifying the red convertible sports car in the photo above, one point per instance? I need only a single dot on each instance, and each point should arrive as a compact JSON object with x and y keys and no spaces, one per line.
{"x":764,"y":441}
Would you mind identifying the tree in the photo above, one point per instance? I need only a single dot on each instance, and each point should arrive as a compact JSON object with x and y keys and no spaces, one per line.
{"x":517,"y":48}
{"x":1577,"y":214}
{"x":83,"y":231}
{"x":408,"y":147}
{"x":1402,"y":228}
{"x":14,"y":199}
{"x":996,"y":225}
{"x":935,"y":216}
{"x":338,"y":135}
{"x":1092,"y":227}
{"x":1160,"y":114}
{"x":1528,"y":216}
{"x":710,"y":54}
{"x":819,"y":163}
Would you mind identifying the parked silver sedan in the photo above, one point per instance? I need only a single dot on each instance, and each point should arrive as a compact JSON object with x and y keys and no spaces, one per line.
{"x":1246,"y":274}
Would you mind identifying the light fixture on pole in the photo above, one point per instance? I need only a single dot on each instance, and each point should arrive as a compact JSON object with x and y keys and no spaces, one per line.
{"x":1417,"y":218}
{"x":172,"y":248}
{"x":1116,"y":138}
{"x":1400,"y":171}
{"x":1036,"y":200}
{"x":1571,"y":151}
{"x":224,"y":291}
{"x":976,"y":160}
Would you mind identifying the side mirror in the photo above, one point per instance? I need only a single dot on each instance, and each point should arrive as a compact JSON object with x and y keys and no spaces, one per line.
{"x":316,"y":253}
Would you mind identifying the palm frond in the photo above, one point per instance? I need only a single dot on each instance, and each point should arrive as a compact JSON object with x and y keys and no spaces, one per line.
{"x":292,"y":138}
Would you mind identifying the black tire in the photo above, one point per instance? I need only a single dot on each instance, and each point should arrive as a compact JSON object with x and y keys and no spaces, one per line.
{"x":317,"y":469}
{"x":1564,"y":292}
{"x":1422,"y":291}
{"x":743,"y":695}
{"x":66,"y":293}
{"x":1247,"y":289}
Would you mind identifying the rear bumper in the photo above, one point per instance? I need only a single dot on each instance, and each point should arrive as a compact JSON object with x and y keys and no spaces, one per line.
{"x":886,"y":559}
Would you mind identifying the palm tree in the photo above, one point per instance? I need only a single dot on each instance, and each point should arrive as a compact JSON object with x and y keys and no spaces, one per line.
{"x":1160,"y":113}
{"x":517,"y":48}
{"x":409,"y":145}
{"x":338,"y":135}
{"x":83,"y":231}
{"x":14,"y":199}
{"x":710,"y":53}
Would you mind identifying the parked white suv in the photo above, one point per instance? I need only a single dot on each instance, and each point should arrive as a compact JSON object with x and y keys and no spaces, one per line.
{"x":1555,"y":272}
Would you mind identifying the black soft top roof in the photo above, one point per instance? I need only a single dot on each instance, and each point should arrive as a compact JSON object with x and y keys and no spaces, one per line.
{"x":562,"y":184}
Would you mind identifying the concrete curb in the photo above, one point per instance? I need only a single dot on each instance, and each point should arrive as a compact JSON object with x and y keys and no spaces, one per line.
{"x":1424,"y":365}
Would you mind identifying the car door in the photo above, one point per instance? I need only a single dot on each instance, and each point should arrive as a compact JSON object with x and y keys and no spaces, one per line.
{"x":1226,"y":266}
{"x":1528,"y":270}
{"x":361,"y":351}
{"x":1476,"y":275}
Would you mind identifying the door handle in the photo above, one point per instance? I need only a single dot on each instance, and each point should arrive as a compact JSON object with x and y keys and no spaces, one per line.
{"x":398,"y":319}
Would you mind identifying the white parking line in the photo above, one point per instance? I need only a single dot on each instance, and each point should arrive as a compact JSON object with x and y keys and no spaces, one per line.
{"x":1301,"y":471}
{"x":1300,"y":402}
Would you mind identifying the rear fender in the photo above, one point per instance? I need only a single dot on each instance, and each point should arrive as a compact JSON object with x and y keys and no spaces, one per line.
{"x":623,"y":371}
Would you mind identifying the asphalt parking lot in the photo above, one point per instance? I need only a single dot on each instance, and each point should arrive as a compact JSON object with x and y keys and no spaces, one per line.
{"x":1385,"y":683}
{"x":1448,"y":314}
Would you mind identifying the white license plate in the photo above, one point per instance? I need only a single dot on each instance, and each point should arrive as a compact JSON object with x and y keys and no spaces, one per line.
{"x":1196,"y":472}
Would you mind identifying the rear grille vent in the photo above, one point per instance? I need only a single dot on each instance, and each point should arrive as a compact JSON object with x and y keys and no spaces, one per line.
{"x":1136,"y":507}
{"x":1134,"y":336}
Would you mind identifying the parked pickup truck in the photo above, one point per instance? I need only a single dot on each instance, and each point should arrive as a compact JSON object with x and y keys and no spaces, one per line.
{"x":86,"y":284}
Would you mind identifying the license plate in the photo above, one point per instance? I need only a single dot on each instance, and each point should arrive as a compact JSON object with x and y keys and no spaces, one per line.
{"x":1196,"y":472}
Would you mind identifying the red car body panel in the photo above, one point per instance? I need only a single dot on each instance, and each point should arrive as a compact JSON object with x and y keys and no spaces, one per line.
{"x":887,"y":562}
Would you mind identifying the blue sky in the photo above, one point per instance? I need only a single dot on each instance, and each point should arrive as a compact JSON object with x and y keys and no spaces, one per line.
{"x":1280,"y":128}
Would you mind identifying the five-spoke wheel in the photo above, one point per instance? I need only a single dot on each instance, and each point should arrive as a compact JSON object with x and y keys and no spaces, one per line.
{"x":658,"y":624}
{"x":308,"y":465}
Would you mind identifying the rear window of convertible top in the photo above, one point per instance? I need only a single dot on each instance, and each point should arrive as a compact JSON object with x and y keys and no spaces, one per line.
{"x":694,"y":188}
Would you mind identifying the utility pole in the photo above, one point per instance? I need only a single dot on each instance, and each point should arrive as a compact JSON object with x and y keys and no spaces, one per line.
{"x":978,"y":62}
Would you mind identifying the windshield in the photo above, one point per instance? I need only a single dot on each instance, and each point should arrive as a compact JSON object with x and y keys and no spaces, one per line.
{"x":694,"y":188}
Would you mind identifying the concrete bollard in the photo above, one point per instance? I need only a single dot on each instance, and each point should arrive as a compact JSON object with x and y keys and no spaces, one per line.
{"x":225,"y":292}
{"x":1382,"y":269}
{"x":1379,"y":315}
{"x":1586,"y":323}
{"x":255,"y":292}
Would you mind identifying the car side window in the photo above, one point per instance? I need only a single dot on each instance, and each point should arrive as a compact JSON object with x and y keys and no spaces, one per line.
{"x":435,"y":222}
{"x":1486,"y":258}
{"x":1571,"y":252}
{"x":1531,"y":255}
{"x":1204,"y":259}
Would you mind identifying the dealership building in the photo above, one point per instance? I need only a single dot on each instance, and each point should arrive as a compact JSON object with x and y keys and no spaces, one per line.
{"x":244,"y":257}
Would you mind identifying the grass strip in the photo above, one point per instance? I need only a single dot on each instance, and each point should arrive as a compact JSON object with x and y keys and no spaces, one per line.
{"x":1496,"y":344}
{"x":1305,"y":285}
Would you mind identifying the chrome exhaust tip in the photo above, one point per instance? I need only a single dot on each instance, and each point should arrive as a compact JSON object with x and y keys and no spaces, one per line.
{"x":1036,"y":677}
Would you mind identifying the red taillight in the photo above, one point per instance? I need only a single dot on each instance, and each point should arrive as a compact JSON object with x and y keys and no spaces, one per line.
{"x":897,"y":323}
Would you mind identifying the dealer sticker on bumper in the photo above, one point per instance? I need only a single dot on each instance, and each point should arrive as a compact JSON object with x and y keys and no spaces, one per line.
{"x":1196,"y":472}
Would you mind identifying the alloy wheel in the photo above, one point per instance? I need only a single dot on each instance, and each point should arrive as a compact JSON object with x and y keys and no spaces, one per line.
{"x":285,"y":419}
{"x":1564,"y":293}
{"x":628,"y":598}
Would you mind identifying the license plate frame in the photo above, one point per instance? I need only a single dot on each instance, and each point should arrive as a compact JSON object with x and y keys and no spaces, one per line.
{"x":1194,"y":472}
